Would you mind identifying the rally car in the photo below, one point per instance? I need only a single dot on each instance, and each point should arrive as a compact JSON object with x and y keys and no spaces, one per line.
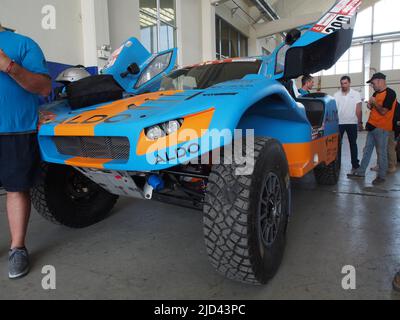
{"x":225,"y":137}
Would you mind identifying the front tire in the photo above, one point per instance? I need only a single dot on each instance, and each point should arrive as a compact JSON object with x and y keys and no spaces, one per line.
{"x":245,"y":217}
{"x":65,"y":196}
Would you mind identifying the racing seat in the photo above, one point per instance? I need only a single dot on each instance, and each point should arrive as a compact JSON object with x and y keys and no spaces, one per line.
{"x":315,"y":109}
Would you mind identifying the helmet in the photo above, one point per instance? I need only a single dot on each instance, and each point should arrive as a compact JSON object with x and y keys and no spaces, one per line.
{"x":72,"y":74}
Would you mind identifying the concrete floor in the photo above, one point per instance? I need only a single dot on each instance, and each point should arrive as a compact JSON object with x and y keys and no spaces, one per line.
{"x":149,"y":250}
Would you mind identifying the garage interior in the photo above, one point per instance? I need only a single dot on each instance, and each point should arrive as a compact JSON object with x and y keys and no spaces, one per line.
{"x":153,"y":250}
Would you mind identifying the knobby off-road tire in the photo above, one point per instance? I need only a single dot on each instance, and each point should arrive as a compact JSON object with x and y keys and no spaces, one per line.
{"x":65,"y":196}
{"x":328,"y":175}
{"x":246,"y":216}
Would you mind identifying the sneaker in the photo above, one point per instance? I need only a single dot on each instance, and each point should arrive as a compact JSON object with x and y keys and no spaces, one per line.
{"x":396,"y":282}
{"x":375,"y":169}
{"x":392,"y":170}
{"x":378,"y":181}
{"x":18,"y":263}
{"x":354,"y":170}
{"x":355,"y":174}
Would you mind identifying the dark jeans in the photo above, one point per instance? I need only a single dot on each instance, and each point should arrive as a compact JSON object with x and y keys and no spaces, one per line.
{"x":352,"y":134}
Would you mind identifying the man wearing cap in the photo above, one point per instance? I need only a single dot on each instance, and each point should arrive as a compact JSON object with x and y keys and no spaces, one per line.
{"x":23,"y":77}
{"x":382,"y":105}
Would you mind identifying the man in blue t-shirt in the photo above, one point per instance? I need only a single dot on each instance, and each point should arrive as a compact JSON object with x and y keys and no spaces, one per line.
{"x":23,"y":77}
{"x":307,"y":84}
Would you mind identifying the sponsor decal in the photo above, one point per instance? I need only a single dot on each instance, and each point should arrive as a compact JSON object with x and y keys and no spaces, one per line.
{"x":114,"y":56}
{"x":95,"y":119}
{"x":173,"y":154}
{"x":340,"y":17}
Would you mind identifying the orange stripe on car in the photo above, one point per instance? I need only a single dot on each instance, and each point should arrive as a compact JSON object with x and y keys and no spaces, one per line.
{"x":304,"y":157}
{"x":84,"y":124}
{"x":87,"y":162}
{"x":196,"y":125}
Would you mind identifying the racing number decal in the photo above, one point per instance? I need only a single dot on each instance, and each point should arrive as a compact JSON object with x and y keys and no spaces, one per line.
{"x":338,"y":23}
{"x":331,"y":23}
{"x":339,"y":17}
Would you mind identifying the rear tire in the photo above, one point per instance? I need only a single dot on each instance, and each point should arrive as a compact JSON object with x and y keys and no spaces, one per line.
{"x":65,"y":196}
{"x":245,"y":217}
{"x":328,"y":175}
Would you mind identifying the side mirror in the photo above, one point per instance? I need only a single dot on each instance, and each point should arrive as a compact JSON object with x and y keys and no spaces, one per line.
{"x":132,"y":69}
{"x":292,"y":36}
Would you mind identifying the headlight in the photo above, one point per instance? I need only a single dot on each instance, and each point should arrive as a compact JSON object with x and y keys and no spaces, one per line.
{"x":163,"y":129}
{"x":155,"y":133}
{"x":172,"y":126}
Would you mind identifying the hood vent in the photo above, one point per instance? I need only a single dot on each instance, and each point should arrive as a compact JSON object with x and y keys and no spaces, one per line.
{"x":220,"y":94}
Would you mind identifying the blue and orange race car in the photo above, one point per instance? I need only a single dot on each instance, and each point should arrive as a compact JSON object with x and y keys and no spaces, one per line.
{"x":224,"y":137}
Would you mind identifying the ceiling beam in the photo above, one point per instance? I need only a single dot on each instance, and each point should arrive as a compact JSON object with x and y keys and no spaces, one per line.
{"x":266,"y":9}
{"x":216,"y":3}
{"x":285,"y":24}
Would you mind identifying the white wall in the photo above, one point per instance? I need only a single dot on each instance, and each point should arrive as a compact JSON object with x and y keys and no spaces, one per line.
{"x":64,"y":44}
{"x":189,"y":23}
{"x":114,"y":21}
{"x":124,"y":23}
{"x":123,"y":20}
{"x":287,"y":9}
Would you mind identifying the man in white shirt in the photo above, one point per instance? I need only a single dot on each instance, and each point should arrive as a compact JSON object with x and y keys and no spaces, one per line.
{"x":350,"y":116}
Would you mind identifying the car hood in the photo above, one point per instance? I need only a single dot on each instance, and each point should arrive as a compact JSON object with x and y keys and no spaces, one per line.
{"x":229,"y":100}
{"x":142,"y":111}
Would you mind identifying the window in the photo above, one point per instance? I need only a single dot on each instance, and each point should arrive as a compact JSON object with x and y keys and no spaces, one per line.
{"x":386,"y":16}
{"x":390,"y":56}
{"x":379,"y":19}
{"x":157,"y":66}
{"x":158,"y":24}
{"x":265,"y":52}
{"x":363,"y":27}
{"x":350,"y":62}
{"x":205,"y":76}
{"x":280,"y":59}
{"x":230,"y":42}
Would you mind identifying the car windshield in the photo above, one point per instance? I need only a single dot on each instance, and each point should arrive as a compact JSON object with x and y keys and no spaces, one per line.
{"x":280,"y":59}
{"x":205,"y":76}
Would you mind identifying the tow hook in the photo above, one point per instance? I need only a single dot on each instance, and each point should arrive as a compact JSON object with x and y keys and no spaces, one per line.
{"x":154,"y":183}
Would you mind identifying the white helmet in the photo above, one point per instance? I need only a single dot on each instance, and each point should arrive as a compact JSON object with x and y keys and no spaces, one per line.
{"x":72,"y":74}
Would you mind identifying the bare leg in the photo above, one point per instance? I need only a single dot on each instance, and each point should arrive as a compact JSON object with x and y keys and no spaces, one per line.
{"x":18,"y":211}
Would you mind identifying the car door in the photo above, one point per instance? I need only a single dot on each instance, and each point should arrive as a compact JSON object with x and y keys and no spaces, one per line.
{"x":146,"y":69}
{"x":318,"y":46}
